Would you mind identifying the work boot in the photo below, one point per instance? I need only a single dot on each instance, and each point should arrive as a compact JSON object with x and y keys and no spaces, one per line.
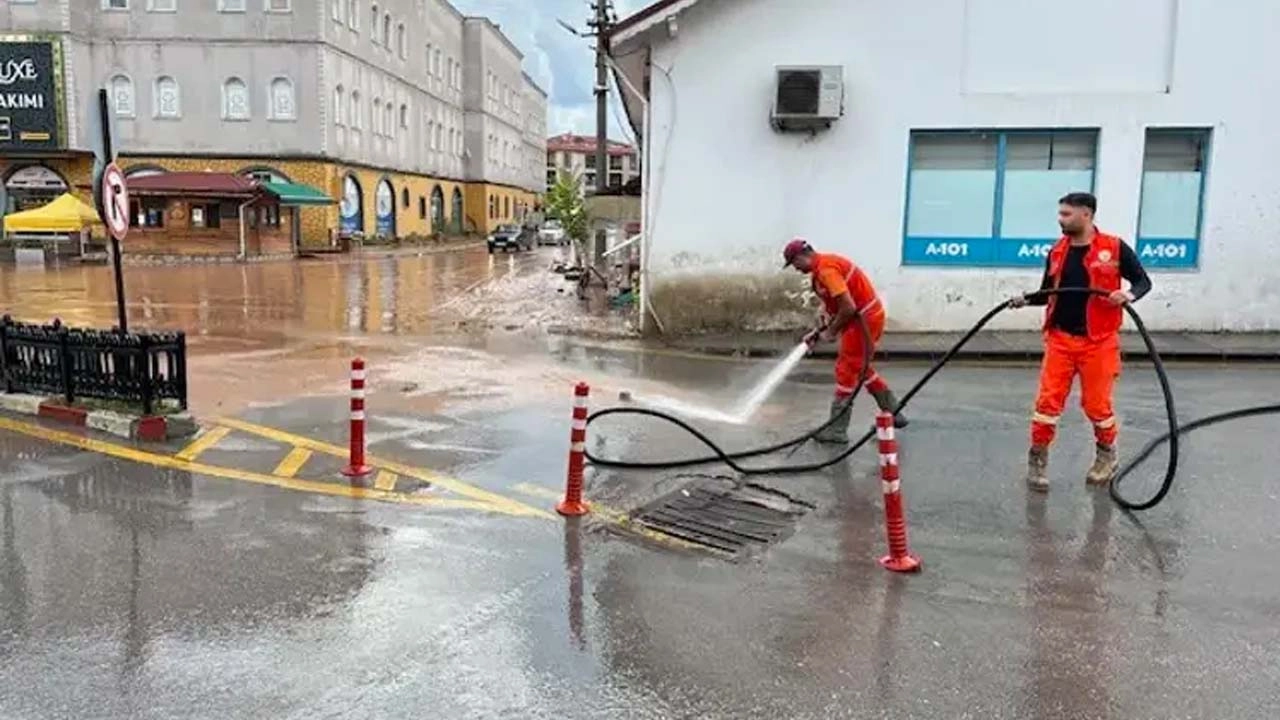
{"x":1104,"y":467}
{"x":887,"y":402}
{"x":1037,"y":468}
{"x":837,"y":431}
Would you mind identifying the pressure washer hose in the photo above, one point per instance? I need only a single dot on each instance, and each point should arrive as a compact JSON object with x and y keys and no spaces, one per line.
{"x":731,"y":459}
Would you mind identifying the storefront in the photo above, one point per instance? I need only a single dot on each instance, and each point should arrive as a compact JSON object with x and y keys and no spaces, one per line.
{"x":32,"y":128}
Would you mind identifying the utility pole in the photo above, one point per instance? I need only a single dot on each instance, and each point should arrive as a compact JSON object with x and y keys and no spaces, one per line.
{"x":601,"y":24}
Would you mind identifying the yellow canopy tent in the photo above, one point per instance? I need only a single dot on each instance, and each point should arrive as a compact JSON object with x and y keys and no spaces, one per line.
{"x":66,"y":214}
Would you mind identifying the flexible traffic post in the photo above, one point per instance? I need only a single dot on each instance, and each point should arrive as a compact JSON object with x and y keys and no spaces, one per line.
{"x":899,"y":558}
{"x":572,"y":504}
{"x":356,"y":466}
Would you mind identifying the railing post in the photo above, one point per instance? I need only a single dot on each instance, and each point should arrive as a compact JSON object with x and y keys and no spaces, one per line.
{"x":181,"y":369}
{"x":144,"y":349}
{"x":5,"y":322}
{"x":64,"y":361}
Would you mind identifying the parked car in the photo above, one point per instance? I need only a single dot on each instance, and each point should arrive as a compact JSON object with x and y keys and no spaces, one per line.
{"x":552,"y":233}
{"x":510,"y":237}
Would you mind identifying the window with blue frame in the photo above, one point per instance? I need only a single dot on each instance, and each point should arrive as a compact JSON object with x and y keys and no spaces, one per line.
{"x":990,"y":198}
{"x":1173,"y":180}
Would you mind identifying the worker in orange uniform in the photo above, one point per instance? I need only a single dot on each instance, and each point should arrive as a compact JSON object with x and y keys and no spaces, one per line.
{"x":846,"y":293}
{"x":1082,"y":334}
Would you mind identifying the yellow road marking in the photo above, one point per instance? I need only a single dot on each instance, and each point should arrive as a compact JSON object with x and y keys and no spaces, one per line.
{"x":386,"y":480}
{"x":174,"y":463}
{"x":293,"y":462}
{"x":206,"y":440}
{"x":507,"y":505}
{"x":619,"y":519}
{"x":536,"y":491}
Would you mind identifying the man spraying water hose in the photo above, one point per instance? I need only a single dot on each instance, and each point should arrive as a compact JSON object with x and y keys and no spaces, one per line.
{"x":1082,"y":334}
{"x":846,"y":293}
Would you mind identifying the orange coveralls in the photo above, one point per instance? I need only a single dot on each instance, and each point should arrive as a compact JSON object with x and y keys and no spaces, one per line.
{"x":834,"y":276}
{"x":1092,"y":352}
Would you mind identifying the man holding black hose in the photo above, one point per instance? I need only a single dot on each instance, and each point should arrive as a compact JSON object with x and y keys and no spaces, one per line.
{"x":1082,"y":333}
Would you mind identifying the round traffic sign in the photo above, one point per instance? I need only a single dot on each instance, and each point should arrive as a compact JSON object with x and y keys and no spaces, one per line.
{"x":115,"y":201}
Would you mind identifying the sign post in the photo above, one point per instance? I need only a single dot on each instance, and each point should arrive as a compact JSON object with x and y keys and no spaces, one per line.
{"x":111,"y":195}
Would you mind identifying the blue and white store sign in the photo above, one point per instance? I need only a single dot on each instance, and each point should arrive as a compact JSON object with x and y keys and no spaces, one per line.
{"x":1169,"y":254}
{"x":351,"y":209}
{"x":976,"y":252}
{"x":385,"y":203}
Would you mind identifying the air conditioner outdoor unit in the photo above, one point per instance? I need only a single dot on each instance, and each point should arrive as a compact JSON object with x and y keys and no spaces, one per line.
{"x":807,"y":97}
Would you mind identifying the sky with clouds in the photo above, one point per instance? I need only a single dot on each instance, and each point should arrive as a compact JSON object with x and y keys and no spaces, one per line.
{"x":562,"y":64}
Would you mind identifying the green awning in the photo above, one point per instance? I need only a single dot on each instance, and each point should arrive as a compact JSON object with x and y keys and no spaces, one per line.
{"x":297,"y":194}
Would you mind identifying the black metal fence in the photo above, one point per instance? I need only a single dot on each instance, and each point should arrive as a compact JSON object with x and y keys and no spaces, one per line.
{"x":141,"y":369}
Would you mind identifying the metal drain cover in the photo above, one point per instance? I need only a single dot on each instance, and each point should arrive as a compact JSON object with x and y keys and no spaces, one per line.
{"x":723,"y":516}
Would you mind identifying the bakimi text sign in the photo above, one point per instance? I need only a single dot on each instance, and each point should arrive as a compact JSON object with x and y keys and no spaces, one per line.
{"x":30,"y":107}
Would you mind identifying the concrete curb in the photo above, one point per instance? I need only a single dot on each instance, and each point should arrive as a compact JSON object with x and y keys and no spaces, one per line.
{"x":148,"y":428}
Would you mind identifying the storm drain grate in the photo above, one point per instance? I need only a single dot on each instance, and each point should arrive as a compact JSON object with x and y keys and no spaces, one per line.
{"x":725,"y":517}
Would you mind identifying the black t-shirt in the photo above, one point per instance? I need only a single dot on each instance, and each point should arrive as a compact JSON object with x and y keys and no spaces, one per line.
{"x":1069,"y":310}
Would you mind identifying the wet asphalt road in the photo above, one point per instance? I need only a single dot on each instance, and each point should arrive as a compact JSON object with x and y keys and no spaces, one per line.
{"x":131,"y":591}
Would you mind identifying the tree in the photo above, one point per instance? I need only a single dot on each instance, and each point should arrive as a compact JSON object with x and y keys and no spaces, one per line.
{"x":564,"y":203}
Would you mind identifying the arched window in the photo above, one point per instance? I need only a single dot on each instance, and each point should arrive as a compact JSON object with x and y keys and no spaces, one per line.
{"x":168,"y":98}
{"x":437,"y":209}
{"x":386,"y":31}
{"x":235,"y":99}
{"x":389,"y":120}
{"x":122,"y":95}
{"x":357,"y":120}
{"x":375,"y":117}
{"x":339,"y":100}
{"x":282,"y":104}
{"x":458,"y":210}
{"x":353,"y":14}
{"x":404,"y":116}
{"x":400,"y":48}
{"x":373,"y":24}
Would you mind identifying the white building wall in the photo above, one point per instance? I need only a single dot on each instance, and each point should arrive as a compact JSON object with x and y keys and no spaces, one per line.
{"x":728,"y":190}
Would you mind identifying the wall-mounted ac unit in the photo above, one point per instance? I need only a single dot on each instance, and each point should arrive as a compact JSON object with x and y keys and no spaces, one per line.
{"x":807,"y":97}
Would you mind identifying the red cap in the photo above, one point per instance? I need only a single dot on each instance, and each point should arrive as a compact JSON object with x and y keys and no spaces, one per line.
{"x":793,"y":250}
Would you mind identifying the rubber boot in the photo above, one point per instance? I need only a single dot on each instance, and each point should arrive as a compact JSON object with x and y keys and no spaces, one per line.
{"x":837,"y":431}
{"x":887,"y":402}
{"x":1038,"y":468}
{"x":1105,"y":464}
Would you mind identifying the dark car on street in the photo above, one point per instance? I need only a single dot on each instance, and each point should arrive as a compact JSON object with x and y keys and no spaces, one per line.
{"x":510,"y":237}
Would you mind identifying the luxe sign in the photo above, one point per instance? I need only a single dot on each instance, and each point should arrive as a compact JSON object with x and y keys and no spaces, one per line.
{"x":30,"y":95}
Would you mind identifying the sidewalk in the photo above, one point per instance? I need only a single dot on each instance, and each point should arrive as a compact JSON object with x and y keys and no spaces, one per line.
{"x":998,"y":345}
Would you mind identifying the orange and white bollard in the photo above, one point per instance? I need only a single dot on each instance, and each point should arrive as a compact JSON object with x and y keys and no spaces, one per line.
{"x":899,"y":558}
{"x":356,"y":466}
{"x":572,"y":504}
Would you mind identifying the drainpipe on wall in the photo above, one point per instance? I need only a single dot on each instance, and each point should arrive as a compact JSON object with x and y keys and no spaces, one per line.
{"x":244,"y":246}
{"x":646,"y":122}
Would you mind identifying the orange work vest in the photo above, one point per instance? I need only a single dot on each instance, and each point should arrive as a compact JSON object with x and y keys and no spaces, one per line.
{"x":1102,"y":262}
{"x":861,"y":291}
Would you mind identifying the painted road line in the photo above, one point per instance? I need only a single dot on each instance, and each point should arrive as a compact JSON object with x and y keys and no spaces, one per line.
{"x":619,"y":519}
{"x":509,"y":506}
{"x":174,"y":463}
{"x":386,"y":480}
{"x":207,"y":440}
{"x":293,"y":462}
